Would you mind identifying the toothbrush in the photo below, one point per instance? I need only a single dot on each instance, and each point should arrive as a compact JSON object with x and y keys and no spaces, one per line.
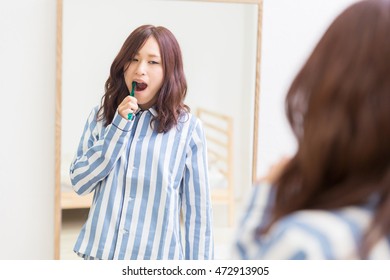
{"x":133,"y":84}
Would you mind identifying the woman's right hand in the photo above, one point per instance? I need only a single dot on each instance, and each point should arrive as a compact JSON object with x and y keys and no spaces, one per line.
{"x":127,"y":106}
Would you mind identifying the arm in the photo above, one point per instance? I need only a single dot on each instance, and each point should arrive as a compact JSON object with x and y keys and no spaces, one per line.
{"x":97,"y":154}
{"x":299,"y":236}
{"x":196,"y":206}
{"x":289,"y":238}
{"x":256,"y":214}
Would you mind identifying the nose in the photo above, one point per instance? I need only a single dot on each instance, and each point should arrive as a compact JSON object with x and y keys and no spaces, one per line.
{"x":141,"y":69}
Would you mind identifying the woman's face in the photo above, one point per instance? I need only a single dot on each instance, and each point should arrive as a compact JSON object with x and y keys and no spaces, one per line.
{"x":146,"y":70}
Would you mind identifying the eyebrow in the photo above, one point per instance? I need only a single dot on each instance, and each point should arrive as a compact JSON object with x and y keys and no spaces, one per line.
{"x":151,"y":55}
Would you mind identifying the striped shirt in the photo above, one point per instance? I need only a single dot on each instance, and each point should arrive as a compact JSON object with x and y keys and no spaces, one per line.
{"x":151,"y":190}
{"x":306,"y":234}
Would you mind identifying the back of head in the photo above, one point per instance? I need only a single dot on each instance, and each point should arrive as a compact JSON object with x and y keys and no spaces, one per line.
{"x":339,"y":109}
{"x":339,"y":104}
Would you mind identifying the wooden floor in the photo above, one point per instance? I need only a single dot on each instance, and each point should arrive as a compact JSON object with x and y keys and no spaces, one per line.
{"x":73,"y":219}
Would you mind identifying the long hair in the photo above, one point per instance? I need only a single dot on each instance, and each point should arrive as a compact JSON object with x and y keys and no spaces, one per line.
{"x":339,"y":109}
{"x":170,"y":98}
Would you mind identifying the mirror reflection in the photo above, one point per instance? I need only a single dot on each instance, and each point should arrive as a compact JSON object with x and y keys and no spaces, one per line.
{"x":218,"y":43}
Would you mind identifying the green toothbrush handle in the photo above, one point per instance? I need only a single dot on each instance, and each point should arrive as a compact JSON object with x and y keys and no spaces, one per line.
{"x":133,"y":84}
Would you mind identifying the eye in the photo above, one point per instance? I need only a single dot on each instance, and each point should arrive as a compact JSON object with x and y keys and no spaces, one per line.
{"x":153,"y":62}
{"x":135,"y":59}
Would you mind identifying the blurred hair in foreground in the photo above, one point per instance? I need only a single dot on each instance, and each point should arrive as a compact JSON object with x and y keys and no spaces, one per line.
{"x":338,"y":107}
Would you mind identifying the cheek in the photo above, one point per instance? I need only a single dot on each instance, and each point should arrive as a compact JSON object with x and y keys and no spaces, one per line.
{"x":157,"y":86}
{"x":159,"y":78}
{"x":127,"y":77}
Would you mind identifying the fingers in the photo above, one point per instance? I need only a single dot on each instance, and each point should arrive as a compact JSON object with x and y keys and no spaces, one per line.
{"x":127,"y":106}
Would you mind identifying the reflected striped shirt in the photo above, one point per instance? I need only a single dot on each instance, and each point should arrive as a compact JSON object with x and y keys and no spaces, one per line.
{"x":306,"y":234}
{"x":151,"y":190}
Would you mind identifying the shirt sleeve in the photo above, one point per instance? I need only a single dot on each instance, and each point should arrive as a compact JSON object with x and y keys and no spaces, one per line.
{"x":97,"y":154}
{"x":196,"y":201}
{"x":256,"y":214}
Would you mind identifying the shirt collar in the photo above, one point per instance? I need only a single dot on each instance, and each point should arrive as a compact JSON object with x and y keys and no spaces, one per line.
{"x":152,"y":110}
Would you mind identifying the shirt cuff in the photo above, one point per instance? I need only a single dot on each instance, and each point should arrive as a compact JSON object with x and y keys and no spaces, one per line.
{"x":122,"y":123}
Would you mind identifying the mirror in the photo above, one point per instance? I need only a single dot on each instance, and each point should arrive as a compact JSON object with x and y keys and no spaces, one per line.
{"x":220,"y":42}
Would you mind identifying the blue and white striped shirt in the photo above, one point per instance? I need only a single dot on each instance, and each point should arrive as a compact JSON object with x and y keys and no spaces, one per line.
{"x":306,"y":234}
{"x":143,"y":182}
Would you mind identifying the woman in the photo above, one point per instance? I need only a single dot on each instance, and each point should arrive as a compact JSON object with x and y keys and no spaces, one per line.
{"x":331,"y":200}
{"x":148,"y":170}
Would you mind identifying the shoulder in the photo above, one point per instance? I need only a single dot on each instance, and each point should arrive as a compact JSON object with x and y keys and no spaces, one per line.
{"x":189,"y":122}
{"x":317,"y":234}
{"x":93,"y":124}
{"x":93,"y":113}
{"x":187,"y":117}
{"x":259,"y":201}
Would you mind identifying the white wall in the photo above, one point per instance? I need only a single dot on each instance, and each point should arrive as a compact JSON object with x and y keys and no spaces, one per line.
{"x":27,"y":88}
{"x":291,"y":29}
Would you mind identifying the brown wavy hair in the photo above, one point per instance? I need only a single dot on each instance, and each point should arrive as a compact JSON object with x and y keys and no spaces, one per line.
{"x":170,"y":98}
{"x":339,"y":109}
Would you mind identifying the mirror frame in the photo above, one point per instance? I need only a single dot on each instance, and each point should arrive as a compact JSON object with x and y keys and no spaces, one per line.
{"x":58,"y":109}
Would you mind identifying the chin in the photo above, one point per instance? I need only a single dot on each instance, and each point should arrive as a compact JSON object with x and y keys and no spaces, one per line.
{"x":144,"y":106}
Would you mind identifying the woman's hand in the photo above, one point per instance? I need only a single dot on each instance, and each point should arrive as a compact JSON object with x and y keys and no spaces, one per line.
{"x":127,"y":106}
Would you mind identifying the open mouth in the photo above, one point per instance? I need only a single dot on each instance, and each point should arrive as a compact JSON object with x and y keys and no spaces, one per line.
{"x":140,"y":86}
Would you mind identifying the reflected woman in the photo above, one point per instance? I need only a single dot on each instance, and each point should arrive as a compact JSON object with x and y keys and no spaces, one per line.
{"x":331,"y":200}
{"x":144,"y":157}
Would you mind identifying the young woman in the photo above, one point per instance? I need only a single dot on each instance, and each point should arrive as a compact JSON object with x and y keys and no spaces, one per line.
{"x":148,"y":169}
{"x":331,"y":200}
